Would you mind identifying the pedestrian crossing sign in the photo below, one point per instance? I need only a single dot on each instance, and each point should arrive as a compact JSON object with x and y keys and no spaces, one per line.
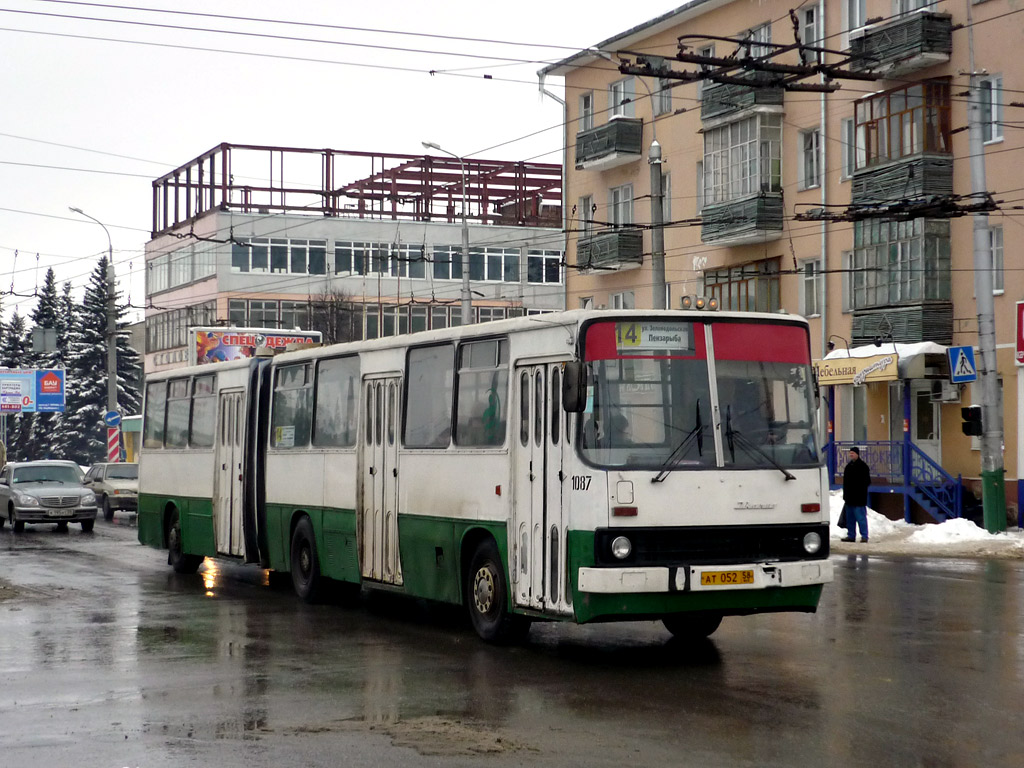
{"x":961,"y":365}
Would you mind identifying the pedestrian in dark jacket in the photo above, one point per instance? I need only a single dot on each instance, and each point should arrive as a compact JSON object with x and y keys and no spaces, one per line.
{"x":856,"y":479}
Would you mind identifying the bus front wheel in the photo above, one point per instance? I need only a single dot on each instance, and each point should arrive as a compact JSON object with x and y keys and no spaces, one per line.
{"x":176,"y":557}
{"x":487,"y":598}
{"x":692,"y":626}
{"x":306,"y":578}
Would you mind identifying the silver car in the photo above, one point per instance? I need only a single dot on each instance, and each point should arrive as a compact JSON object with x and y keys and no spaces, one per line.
{"x":45,"y":492}
{"x":116,"y":486}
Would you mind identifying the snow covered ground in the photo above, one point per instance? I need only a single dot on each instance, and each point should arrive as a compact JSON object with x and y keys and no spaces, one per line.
{"x":953,"y":538}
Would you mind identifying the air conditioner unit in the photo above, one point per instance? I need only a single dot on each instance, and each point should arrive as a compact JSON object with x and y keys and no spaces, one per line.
{"x":945,"y":392}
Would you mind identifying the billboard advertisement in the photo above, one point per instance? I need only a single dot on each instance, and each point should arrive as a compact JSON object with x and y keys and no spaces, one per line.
{"x":31,"y":390}
{"x":218,"y":345}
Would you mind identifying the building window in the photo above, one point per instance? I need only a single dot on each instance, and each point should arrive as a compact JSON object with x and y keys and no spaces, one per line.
{"x":263,"y":314}
{"x":709,"y":52}
{"x":585,"y":214}
{"x":494,"y":264}
{"x":907,"y":6}
{"x":621,"y":97}
{"x":848,"y":147}
{"x":810,"y":32}
{"x":408,"y":261}
{"x":447,"y":262}
{"x":544,"y":266}
{"x":170,"y":329}
{"x":486,"y":314}
{"x":899,"y":262}
{"x":620,"y":205}
{"x":902,"y":122}
{"x":760,"y":38}
{"x":991,"y":98}
{"x":663,"y":97}
{"x":156,"y":274}
{"x":279,"y":256}
{"x":995,"y":248}
{"x":295,"y":314}
{"x":810,"y":277}
{"x":810,"y":159}
{"x":749,"y":288}
{"x":586,"y":302}
{"x":743,"y":158}
{"x":624,"y":300}
{"x":700,"y":186}
{"x":855,"y":14}
{"x":586,"y":111}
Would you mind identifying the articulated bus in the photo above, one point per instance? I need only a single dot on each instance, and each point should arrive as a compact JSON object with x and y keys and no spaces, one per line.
{"x":582,"y":466}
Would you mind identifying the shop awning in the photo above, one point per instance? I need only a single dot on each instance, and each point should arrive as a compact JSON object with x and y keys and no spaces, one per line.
{"x":888,"y":362}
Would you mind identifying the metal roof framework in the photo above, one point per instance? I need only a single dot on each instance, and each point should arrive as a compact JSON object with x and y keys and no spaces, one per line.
{"x":267,"y":180}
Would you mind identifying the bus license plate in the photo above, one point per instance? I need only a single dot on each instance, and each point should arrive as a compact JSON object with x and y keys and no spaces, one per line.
{"x":726,"y":578}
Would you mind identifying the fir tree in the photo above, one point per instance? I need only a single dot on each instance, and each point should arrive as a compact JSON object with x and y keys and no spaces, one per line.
{"x":87,"y":372}
{"x":15,"y":352}
{"x":45,"y":436}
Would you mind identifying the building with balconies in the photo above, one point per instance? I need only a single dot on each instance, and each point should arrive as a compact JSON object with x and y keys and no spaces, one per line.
{"x":741,"y":157}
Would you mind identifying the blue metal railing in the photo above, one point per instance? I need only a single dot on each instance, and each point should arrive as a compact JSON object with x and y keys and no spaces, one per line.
{"x":905,"y":464}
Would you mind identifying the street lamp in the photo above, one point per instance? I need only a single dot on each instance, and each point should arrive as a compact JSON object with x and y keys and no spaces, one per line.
{"x":111,"y":323}
{"x":467,"y":300}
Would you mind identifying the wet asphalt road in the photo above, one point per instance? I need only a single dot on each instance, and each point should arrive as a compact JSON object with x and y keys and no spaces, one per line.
{"x":109,"y":659}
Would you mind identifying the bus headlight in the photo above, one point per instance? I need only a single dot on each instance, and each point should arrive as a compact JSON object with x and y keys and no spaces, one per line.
{"x":621,"y":547}
{"x":812,"y":542}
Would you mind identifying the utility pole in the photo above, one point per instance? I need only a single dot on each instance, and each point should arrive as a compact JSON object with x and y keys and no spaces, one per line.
{"x":992,"y":472}
{"x":657,"y":228}
{"x":113,"y":432}
{"x":467,"y":299}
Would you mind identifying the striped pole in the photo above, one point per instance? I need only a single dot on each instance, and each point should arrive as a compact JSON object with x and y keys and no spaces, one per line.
{"x":113,"y":444}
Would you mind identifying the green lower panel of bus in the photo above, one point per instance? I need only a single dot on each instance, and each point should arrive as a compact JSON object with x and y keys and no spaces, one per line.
{"x":196,"y":515}
{"x":335,"y":532}
{"x":590,"y":606}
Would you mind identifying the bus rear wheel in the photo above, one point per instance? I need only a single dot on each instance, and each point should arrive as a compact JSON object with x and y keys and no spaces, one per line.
{"x":487,"y":598}
{"x":306,"y":578}
{"x":692,"y":626}
{"x":176,"y":557}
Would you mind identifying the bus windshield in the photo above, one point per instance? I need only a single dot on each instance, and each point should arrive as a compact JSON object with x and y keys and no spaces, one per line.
{"x":652,"y":403}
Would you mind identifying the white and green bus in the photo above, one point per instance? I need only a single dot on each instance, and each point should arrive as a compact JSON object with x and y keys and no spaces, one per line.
{"x":581,"y":466}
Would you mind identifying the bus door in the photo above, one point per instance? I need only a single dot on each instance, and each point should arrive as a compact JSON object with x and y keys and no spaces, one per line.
{"x":227,"y":507}
{"x":379,"y":502}
{"x":538,"y":528}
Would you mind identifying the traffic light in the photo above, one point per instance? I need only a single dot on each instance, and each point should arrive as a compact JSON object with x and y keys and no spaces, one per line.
{"x":972,"y":420}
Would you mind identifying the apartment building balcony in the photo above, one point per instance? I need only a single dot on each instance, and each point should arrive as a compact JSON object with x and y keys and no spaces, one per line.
{"x":614,"y":250}
{"x":721,"y":100}
{"x":908,"y":323}
{"x":755,"y":219}
{"x":906,"y":44}
{"x":920,"y":175}
{"x":617,"y":142}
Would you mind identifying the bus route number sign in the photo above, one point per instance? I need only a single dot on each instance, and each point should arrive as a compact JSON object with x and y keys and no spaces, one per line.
{"x":632,"y":337}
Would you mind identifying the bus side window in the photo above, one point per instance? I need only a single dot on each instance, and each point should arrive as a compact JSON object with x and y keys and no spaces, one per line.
{"x":156,"y":406}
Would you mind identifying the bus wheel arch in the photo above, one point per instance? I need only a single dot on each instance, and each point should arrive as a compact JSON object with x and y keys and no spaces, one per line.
{"x":486,"y":591}
{"x":176,"y":556}
{"x":304,"y":563}
{"x":697,"y":625}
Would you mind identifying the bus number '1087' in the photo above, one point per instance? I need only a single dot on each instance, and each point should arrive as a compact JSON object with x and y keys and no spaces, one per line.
{"x":581,"y":482}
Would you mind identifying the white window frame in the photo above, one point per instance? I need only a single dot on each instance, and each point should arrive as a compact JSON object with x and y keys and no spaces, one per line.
{"x":854,"y":15}
{"x":708,"y":50}
{"x":995,"y":249}
{"x":991,"y":99}
{"x":810,"y":30}
{"x":620,"y":205}
{"x":585,"y":213}
{"x":760,"y":36}
{"x":663,"y":97}
{"x":848,"y":144}
{"x":623,"y":300}
{"x":743,"y":158}
{"x":810,"y":159}
{"x":586,"y":120}
{"x":621,"y":97}
{"x":810,"y":287}
{"x":700,"y":186}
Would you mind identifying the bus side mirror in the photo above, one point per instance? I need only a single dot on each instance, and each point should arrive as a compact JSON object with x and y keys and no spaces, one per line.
{"x":574,"y":387}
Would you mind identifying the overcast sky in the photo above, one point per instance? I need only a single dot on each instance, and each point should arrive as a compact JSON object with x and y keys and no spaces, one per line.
{"x":89,"y":122}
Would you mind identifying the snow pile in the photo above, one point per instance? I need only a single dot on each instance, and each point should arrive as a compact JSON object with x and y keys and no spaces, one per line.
{"x":878,"y":524}
{"x":951,"y":532}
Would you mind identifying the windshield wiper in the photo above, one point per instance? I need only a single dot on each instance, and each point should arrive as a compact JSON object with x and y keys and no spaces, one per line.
{"x":751,"y":449}
{"x":697,"y":433}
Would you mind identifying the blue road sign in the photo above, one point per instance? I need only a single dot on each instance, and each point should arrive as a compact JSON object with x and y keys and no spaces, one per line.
{"x":112,"y":418}
{"x":961,"y":365}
